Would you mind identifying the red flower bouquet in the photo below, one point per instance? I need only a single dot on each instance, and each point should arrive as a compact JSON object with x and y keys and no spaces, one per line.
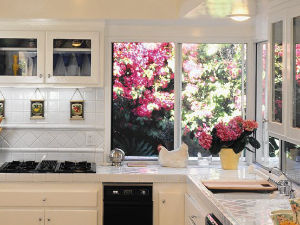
{"x":235,"y":135}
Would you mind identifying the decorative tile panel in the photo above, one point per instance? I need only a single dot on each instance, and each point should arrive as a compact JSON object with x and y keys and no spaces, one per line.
{"x":26,"y":139}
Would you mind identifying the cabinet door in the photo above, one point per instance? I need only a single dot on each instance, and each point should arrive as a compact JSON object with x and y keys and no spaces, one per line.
{"x":194,"y":213}
{"x":70,"y":217}
{"x":22,"y":57}
{"x":21,"y":216}
{"x":171,"y":208}
{"x":72,"y":58}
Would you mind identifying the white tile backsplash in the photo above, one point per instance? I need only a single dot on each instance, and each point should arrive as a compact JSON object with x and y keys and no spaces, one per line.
{"x":56,"y":134}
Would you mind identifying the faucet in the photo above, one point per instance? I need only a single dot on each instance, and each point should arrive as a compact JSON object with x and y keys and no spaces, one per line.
{"x":284,"y":186}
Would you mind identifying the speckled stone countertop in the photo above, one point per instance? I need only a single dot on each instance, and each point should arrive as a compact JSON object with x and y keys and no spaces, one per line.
{"x":240,"y":208}
{"x":235,"y":211}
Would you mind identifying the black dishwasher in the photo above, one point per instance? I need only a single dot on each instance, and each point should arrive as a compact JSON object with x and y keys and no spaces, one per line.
{"x":127,"y":203}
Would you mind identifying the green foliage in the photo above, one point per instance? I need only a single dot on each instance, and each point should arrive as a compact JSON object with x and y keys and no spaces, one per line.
{"x":211,"y":87}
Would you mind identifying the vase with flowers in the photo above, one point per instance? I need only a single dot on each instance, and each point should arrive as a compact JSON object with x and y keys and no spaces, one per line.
{"x":228,"y":139}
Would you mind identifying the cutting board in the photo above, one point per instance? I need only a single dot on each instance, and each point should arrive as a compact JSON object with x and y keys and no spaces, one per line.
{"x":240,"y":185}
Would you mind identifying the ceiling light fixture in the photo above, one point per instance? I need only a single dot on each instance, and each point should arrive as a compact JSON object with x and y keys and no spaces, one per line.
{"x":240,"y":11}
{"x":240,"y":17}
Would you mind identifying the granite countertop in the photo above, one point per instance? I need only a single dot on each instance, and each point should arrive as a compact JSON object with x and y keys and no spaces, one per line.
{"x":241,"y":208}
{"x":235,"y":211}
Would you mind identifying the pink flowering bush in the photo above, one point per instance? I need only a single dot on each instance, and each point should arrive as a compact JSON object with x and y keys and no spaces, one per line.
{"x":277,"y":79}
{"x":235,"y":134}
{"x":211,"y":89}
{"x":143,"y":97}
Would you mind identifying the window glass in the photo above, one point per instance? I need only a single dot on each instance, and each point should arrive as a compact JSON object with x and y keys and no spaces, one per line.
{"x":277,"y":67}
{"x":296,"y":79}
{"x":213,"y":85}
{"x":18,"y":57}
{"x":143,"y":97}
{"x":291,"y":163}
{"x":72,"y":57}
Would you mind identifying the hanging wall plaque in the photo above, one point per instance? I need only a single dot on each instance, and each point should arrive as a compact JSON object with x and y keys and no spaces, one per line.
{"x":77,"y":107}
{"x":2,"y":106}
{"x":37,"y":106}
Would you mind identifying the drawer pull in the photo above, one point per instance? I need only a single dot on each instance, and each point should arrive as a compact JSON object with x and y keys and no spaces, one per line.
{"x":49,"y":219}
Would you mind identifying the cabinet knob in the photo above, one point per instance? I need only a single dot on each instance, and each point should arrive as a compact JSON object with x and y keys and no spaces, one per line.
{"x":49,"y":75}
{"x":40,"y":219}
{"x":49,"y":219}
{"x":163,"y":201}
{"x":41,"y":75}
{"x":192,"y":219}
{"x":44,"y":199}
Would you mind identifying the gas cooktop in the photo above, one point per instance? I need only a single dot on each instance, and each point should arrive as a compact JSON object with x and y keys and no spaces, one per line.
{"x":48,"y":166}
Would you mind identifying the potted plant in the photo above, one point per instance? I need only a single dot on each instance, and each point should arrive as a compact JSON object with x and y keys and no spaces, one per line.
{"x":229,"y":140}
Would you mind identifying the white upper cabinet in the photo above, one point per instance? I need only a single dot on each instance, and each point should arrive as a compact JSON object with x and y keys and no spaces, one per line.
{"x":284,"y":91}
{"x":50,"y":58}
{"x":22,"y":57}
{"x":72,"y":58}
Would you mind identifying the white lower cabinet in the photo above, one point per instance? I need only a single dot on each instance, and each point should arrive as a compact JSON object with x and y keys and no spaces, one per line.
{"x":169,"y":203}
{"x":49,"y":204}
{"x":70,"y":217}
{"x":21,"y":216}
{"x":194,"y":213}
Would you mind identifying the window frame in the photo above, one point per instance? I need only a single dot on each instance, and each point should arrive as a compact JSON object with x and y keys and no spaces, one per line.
{"x":250,"y":82}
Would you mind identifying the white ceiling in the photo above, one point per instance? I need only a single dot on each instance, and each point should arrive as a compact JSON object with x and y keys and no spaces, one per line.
{"x":118,"y":9}
{"x":213,"y":8}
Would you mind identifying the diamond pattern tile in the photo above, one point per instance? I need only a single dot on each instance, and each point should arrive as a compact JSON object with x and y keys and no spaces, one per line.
{"x":39,"y":138}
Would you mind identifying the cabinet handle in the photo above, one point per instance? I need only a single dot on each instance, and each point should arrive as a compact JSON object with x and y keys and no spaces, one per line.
{"x":41,"y":75}
{"x":192,"y":219}
{"x":163,"y":201}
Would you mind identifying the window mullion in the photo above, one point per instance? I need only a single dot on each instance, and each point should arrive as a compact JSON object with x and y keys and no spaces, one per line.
{"x":177,"y":90}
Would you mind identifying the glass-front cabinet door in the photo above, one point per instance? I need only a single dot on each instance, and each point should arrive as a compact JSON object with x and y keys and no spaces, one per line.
{"x":72,"y":58}
{"x":21,"y":57}
{"x":277,"y":71}
{"x":296,"y":73}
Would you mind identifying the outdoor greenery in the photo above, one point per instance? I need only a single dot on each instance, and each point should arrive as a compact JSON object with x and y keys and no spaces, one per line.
{"x":143,"y":93}
{"x":143,"y":97}
{"x":211,"y":88}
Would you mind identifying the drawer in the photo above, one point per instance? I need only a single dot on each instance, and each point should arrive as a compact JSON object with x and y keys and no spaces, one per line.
{"x":48,"y":194}
{"x":71,"y":198}
{"x":195,"y":214}
{"x":21,"y":198}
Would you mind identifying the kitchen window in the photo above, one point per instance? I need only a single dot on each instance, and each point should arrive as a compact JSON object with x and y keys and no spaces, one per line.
{"x":145,"y":98}
{"x":213,"y":88}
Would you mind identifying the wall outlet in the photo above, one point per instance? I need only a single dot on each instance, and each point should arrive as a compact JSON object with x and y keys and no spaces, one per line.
{"x":90,"y":139}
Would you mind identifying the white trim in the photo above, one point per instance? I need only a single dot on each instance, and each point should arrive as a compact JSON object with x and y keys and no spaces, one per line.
{"x":177,"y":90}
{"x":250,"y":90}
{"x":177,"y":128}
{"x":51,"y":126}
{"x":61,"y":150}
